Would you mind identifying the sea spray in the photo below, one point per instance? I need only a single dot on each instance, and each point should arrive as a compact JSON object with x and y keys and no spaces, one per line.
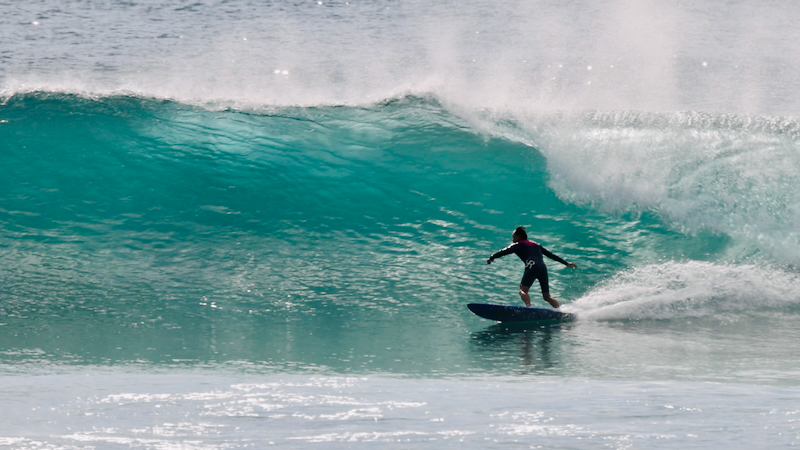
{"x":693,"y":289}
{"x":727,"y":174}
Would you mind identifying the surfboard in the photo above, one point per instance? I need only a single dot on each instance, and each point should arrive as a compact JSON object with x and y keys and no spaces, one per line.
{"x":506,"y":313}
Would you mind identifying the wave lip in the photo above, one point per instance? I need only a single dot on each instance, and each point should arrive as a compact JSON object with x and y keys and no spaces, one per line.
{"x":674,"y":290}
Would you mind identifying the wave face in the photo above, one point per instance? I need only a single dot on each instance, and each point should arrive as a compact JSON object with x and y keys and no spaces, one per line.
{"x":140,"y":229}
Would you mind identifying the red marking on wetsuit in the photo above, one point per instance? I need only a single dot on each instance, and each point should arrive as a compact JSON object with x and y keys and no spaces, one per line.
{"x":528,"y":243}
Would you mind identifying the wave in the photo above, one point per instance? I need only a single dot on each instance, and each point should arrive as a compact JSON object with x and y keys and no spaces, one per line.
{"x":728,"y":174}
{"x":125,"y":185}
{"x":138,"y":229}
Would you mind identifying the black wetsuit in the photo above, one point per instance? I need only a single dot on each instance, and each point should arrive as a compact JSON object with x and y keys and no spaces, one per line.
{"x":531,"y":254}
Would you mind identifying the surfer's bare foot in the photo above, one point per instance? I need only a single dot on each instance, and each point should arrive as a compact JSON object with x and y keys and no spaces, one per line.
{"x":551,"y":300}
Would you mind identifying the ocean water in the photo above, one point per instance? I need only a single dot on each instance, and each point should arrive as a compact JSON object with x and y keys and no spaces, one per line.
{"x":241,"y":224}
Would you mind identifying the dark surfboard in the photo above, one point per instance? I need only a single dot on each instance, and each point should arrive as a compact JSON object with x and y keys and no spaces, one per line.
{"x":505,"y":313}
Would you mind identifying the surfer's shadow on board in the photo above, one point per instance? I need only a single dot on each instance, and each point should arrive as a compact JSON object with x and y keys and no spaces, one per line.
{"x":534,"y":346}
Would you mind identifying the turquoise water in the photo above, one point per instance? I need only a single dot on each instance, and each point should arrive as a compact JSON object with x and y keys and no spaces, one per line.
{"x":242,"y":225}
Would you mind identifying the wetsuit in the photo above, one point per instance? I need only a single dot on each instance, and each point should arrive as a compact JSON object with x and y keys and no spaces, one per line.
{"x":531,"y":254}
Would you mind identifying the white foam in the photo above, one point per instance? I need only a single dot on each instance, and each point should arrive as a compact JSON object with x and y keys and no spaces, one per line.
{"x":688,"y":289}
{"x":735,"y":175}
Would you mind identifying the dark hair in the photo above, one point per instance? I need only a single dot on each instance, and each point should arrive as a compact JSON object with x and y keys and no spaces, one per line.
{"x":520,"y":231}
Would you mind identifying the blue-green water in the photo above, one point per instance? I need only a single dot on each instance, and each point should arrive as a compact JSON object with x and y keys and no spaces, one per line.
{"x":242,"y":225}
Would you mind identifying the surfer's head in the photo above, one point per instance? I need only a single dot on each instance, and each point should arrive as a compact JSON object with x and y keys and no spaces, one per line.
{"x":519,"y":234}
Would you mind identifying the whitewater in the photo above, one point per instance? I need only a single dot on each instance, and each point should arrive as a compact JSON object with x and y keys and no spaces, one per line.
{"x":241,"y":224}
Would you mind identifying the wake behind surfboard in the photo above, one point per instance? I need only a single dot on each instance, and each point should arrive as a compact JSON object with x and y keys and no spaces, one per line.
{"x":506,"y":313}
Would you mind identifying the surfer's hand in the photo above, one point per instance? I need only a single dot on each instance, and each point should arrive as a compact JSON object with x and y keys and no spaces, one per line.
{"x":489,"y":261}
{"x":572,"y":265}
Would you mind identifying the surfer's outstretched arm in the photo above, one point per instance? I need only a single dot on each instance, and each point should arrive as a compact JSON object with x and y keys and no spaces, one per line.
{"x":555,"y":257}
{"x":506,"y":251}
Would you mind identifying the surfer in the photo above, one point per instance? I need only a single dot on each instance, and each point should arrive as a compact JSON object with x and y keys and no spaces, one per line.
{"x":531,"y":254}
